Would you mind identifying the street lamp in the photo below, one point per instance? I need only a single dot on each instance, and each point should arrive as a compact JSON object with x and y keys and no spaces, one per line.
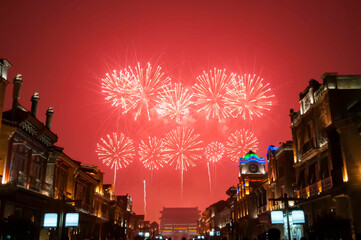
{"x":286,"y":200}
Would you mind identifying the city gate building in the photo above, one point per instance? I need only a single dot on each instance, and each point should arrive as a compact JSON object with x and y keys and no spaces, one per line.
{"x":176,"y":223}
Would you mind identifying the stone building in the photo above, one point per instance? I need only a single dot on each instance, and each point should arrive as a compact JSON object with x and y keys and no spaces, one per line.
{"x":252,"y":195}
{"x":215,"y":220}
{"x":281,"y":174}
{"x":37,"y":177}
{"x":26,"y":147}
{"x":281,"y":180}
{"x":4,"y":66}
{"x":327,"y":157}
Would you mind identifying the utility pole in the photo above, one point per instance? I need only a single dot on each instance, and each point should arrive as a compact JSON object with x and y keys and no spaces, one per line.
{"x":286,"y":200}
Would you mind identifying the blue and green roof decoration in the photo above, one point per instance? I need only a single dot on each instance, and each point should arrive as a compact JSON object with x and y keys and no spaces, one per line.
{"x":271,"y":148}
{"x":251,"y":157}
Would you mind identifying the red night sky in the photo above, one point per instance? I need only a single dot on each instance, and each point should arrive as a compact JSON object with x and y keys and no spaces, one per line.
{"x":63,"y":50}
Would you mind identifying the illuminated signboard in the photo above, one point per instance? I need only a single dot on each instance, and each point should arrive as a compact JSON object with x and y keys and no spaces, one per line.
{"x":277,"y":217}
{"x":50,"y":220}
{"x":71,"y":219}
{"x":146,"y":234}
{"x":298,"y":217}
{"x":211,"y":233}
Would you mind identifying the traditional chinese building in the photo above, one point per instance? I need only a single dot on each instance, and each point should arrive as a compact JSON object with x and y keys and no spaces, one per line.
{"x":26,"y":148}
{"x":37,"y":177}
{"x":179,"y":222}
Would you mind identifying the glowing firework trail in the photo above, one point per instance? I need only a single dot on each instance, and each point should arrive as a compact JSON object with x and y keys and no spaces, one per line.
{"x":211,"y":91}
{"x":249,"y":96}
{"x":214,"y":152}
{"x":135,"y":88}
{"x":174,"y":101}
{"x":151,"y":153}
{"x":116,"y":151}
{"x":209,"y":179}
{"x":240,"y":142}
{"x":182,"y":148}
{"x":145,"y":197}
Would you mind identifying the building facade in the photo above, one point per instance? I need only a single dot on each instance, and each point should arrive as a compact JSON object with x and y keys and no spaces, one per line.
{"x":179,"y":222}
{"x":37,"y":177}
{"x":252,"y":195}
{"x":281,"y":174}
{"x":327,"y":157}
{"x":319,"y":169}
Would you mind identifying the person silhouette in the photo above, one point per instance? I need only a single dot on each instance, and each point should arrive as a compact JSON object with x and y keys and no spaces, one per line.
{"x":274,"y":234}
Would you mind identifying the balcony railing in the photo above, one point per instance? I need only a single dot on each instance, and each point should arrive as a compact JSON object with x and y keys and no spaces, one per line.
{"x":85,"y":207}
{"x":262,"y":209}
{"x":104,"y":216}
{"x":308,"y":146}
{"x":48,"y":190}
{"x":18,"y":178}
{"x":314,"y":189}
{"x":35,"y":185}
{"x":302,"y":193}
{"x":327,"y":184}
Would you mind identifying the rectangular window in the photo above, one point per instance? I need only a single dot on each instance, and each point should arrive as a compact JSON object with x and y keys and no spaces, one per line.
{"x":311,"y":131}
{"x":312,"y":173}
{"x":283,"y":190}
{"x":324,"y":168}
{"x":35,"y":168}
{"x":20,"y":158}
{"x":61,"y":179}
{"x":79,"y":191}
{"x":281,"y":169}
{"x":301,"y":179}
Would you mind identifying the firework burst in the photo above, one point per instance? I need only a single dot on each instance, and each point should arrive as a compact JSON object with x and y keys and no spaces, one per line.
{"x":210,"y":91}
{"x":182,"y":148}
{"x":149,"y":85}
{"x":174,"y":101}
{"x":152,"y":153}
{"x":135,"y":88}
{"x":214,"y":151}
{"x":248,"y":96}
{"x":116,"y":151}
{"x":240,"y":142}
{"x":118,"y":88}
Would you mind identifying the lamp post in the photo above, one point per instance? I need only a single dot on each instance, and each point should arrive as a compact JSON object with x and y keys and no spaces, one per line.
{"x":286,"y":200}
{"x":61,"y":215}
